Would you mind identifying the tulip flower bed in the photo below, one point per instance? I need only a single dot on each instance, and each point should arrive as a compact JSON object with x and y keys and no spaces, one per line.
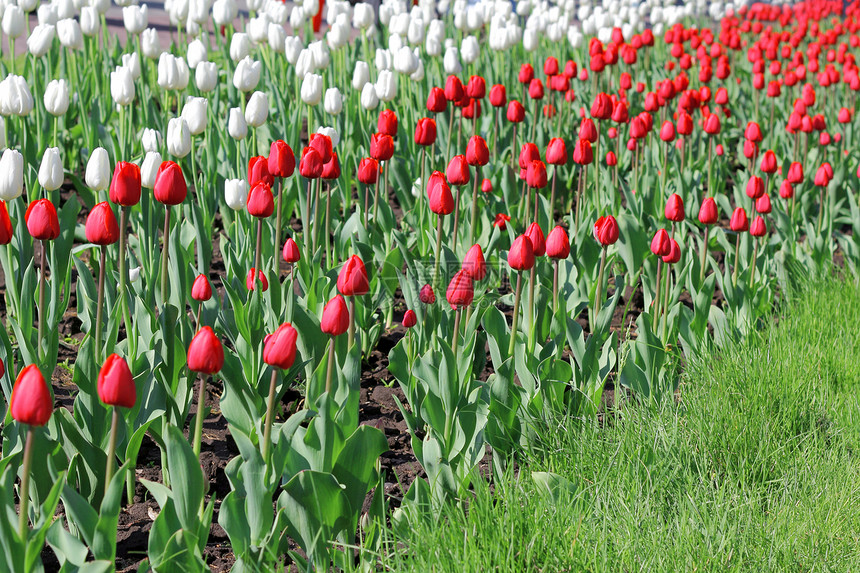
{"x":338,"y":278}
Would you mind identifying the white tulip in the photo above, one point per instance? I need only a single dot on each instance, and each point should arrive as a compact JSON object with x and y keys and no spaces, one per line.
{"x":90,"y":22}
{"x":237,"y":127}
{"x":362,"y":16}
{"x":383,"y":60}
{"x":134,"y":273}
{"x":240,"y":46}
{"x":149,"y":169}
{"x":236,"y":193}
{"x":305,"y":64}
{"x":194,"y":114}
{"x":297,"y":17}
{"x":206,"y":76}
{"x":469,"y":49}
{"x":415,"y":34}
{"x":451,"y":61}
{"x":360,"y":75}
{"x":178,"y":137}
{"x":177,"y":11}
{"x":247,"y":75}
{"x":405,"y":61}
{"x":150,"y":140}
{"x":224,"y":12}
{"x":69,"y":32}
{"x":46,"y":14}
{"x":135,"y":18}
{"x":312,"y":89}
{"x":197,"y":53}
{"x":310,"y":7}
{"x":15,"y":97}
{"x":276,"y":36}
{"x":56,"y":97}
{"x":132,"y":63}
{"x":530,"y":39}
{"x":51,"y":170}
{"x":333,"y":101}
{"x":11,"y":175}
{"x":338,"y":36}
{"x":40,"y":40}
{"x":292,"y":48}
{"x":258,"y":28}
{"x":386,"y":86}
{"x":150,"y":44}
{"x":322,"y":57}
{"x":97,"y":176}
{"x":172,"y":72}
{"x":257,"y":109}
{"x":13,"y":21}
{"x":418,"y":74}
{"x":122,"y":86}
{"x":28,"y":5}
{"x":433,"y":45}
{"x":101,"y":6}
{"x":369,"y":99}
{"x":198,"y":11}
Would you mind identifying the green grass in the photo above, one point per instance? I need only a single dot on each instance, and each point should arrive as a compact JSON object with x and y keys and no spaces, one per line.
{"x":755,"y":470}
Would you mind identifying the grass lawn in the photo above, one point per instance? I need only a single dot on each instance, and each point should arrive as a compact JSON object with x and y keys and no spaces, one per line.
{"x":755,"y":469}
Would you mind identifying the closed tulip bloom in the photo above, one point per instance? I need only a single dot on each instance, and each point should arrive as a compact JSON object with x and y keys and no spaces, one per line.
{"x":611,"y":159}
{"x":237,"y":127}
{"x":311,"y":91}
{"x":368,"y":171}
{"x":667,"y":131}
{"x":352,"y":279}
{"x":335,"y":317}
{"x":194,"y":114}
{"x":525,"y":74}
{"x":31,"y":402}
{"x":768,"y":162}
{"x":387,"y":122}
{"x":258,"y":171}
{"x":323,"y":145}
{"x":457,"y":172}
{"x":498,"y":96}
{"x":257,"y":109}
{"x":461,"y":291}
{"x":11,"y":174}
{"x":279,"y":348}
{"x":582,"y":153}
{"x":601,"y":108}
{"x":758,"y":227}
{"x":454,"y":90}
{"x":516,"y":112}
{"x":786,"y":191}
{"x":250,"y":284}
{"x":311,"y":164}
{"x":476,"y":88}
{"x":661,"y":243}
{"x":126,"y":185}
{"x":685,"y":124}
{"x":521,"y":256}
{"x":122,"y":86}
{"x":409,"y":319}
{"x":41,"y":220}
{"x":425,"y":131}
{"x":822,"y":177}
{"x":486,"y":186}
{"x":708,"y":212}
{"x":535,"y":235}
{"x":606,"y":230}
{"x":201,"y":290}
{"x":178,"y":137}
{"x":762,"y":204}
{"x":236,"y":193}
{"x":536,"y":89}
{"x":712,"y":124}
{"x":5,"y":226}
{"x":739,"y":222}
{"x":675,"y":208}
{"x":436,"y":101}
{"x":261,"y":203}
{"x":439,"y":196}
{"x":558,"y":244}
{"x":753,"y":132}
{"x":381,"y":146}
{"x":205,"y":353}
{"x":115,"y":383}
{"x":556,"y":151}
{"x":587,"y":130}
{"x":206,"y":76}
{"x":97,"y":176}
{"x":51,"y":169}
{"x":474,"y":263}
{"x":755,"y":187}
{"x":477,"y":153}
{"x":291,"y":252}
{"x":528,"y":153}
{"x":56,"y":97}
{"x":331,"y":170}
{"x":247,"y":74}
{"x":674,"y":254}
{"x":536,"y":174}
{"x":426,"y":294}
{"x":282,"y":161}
{"x":101,"y":227}
{"x":170,"y":187}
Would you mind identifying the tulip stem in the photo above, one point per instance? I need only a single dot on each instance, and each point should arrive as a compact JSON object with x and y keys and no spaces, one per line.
{"x":752,"y":266}
{"x":329,"y":366}
{"x":555,"y":285}
{"x":598,"y":295}
{"x":256,"y":270}
{"x":367,"y":201}
{"x":517,"y":295}
{"x":710,"y":190}
{"x":198,"y":421}
{"x":111,"y":453}
{"x":123,"y":272}
{"x":450,"y":131}
{"x":278,"y":230}
{"x":164,"y":254}
{"x":376,"y":192}
{"x":534,"y":123}
{"x":551,"y":199}
{"x":531,"y":310}
{"x":315,"y":232}
{"x":474,"y":206}
{"x":704,"y":255}
{"x":42,"y":286}
{"x":454,"y":344}
{"x":327,"y":223}
{"x":199,"y":310}
{"x":737,"y":257}
{"x":100,"y":303}
{"x":657,"y":292}
{"x":514,"y":149}
{"x":456,"y":217}
{"x":270,"y":412}
{"x":820,"y":210}
{"x":24,"y":492}
{"x":667,"y":287}
{"x":351,"y":338}
{"x":438,"y":251}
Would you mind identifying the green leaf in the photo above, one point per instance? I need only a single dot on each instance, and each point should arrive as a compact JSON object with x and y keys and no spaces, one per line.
{"x":186,"y":478}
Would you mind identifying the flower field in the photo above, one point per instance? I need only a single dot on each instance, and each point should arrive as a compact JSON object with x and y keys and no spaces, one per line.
{"x":279,"y":279}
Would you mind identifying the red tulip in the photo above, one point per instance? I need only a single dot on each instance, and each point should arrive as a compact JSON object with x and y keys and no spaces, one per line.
{"x":387,"y":123}
{"x":436,"y":101}
{"x":331,"y":170}
{"x":458,"y":170}
{"x":536,"y":89}
{"x":786,"y":191}
{"x":739,"y":222}
{"x":322,"y":144}
{"x":454,"y":91}
{"x":606,"y":230}
{"x":521,"y":256}
{"x":260,"y":202}
{"x":291,"y":252}
{"x":261,"y":277}
{"x":311,"y":163}
{"x":381,"y":146}
{"x":368,"y":171}
{"x":170,"y":187}
{"x":477,"y":153}
{"x":535,"y":235}
{"x":101,"y":227}
{"x":753,"y":132}
{"x":498,"y":96}
{"x":425,"y":131}
{"x":501,"y":221}
{"x":768,"y":162}
{"x":335,"y":317}
{"x":675,"y":208}
{"x":587,"y":130}
{"x":685,"y":124}
{"x":279,"y":348}
{"x":661,"y":244}
{"x":205,"y":353}
{"x":460,"y":292}
{"x":31,"y":402}
{"x":526,"y":74}
{"x":409,"y":319}
{"x":556,"y":152}
{"x":582,"y":153}
{"x":712,"y":124}
{"x":439,"y":195}
{"x":708,"y":212}
{"x":474,"y":264}
{"x":282,"y":161}
{"x":762,"y":204}
{"x":536,"y":174}
{"x":601,"y":108}
{"x":557,"y":244}
{"x":486,"y":186}
{"x":674,"y":254}
{"x":476,"y":88}
{"x":201,"y":290}
{"x":258,"y":170}
{"x":516,"y":112}
{"x":352,"y":279}
{"x":822,"y":179}
{"x":550,"y":66}
{"x":611,"y":159}
{"x":426,"y":294}
{"x":125,"y":184}
{"x":758,"y":227}
{"x":115,"y":384}
{"x":41,"y":220}
{"x":667,"y":131}
{"x":755,"y":187}
{"x":6,"y":226}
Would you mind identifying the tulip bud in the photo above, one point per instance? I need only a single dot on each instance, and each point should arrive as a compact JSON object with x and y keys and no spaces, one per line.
{"x":477,"y":153}
{"x":426,"y":294}
{"x":11,"y":174}
{"x":661,"y":244}
{"x":360,"y":76}
{"x":333,"y":102}
{"x":556,"y":152}
{"x":115,"y":383}
{"x":291,"y":252}
{"x":149,"y":169}
{"x":755,"y":187}
{"x":381,"y":146}
{"x":170,"y":187}
{"x":125,"y":185}
{"x":368,"y":171}
{"x":150,"y":44}
{"x":279,"y":348}
{"x":474,"y":264}
{"x":41,"y":220}
{"x":235,"y":193}
{"x":311,"y":90}
{"x":172,"y":72}
{"x":557,"y":244}
{"x":201,"y":290}
{"x":674,"y":254}
{"x":768,"y":162}
{"x":206,"y":76}
{"x":460,"y":291}
{"x":436,"y":101}
{"x":758,"y":227}
{"x":762,"y":204}
{"x":56,"y":97}
{"x":178,"y":137}
{"x":247,"y":74}
{"x":458,"y":171}
{"x":97,"y":176}
{"x":205,"y":353}
{"x":369,"y":99}
{"x":322,"y":144}
{"x":409,"y":319}
{"x":536,"y":177}
{"x":521,"y":255}
{"x":739,"y":222}
{"x":667,"y":132}
{"x":51,"y":170}
{"x":101,"y":227}
{"x":606,"y":230}
{"x":281,"y":162}
{"x":425,"y":132}
{"x":70,"y":35}
{"x":311,"y":163}
{"x":352,"y":279}
{"x":194,"y":114}
{"x":708,"y":212}
{"x":236,"y":125}
{"x":31,"y":402}
{"x":675,"y":208}
{"x":13,"y":21}
{"x":535,"y":235}
{"x":335,"y":317}
{"x":257,"y":109}
{"x":786,"y":191}
{"x":251,"y":284}
{"x":261,"y":203}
